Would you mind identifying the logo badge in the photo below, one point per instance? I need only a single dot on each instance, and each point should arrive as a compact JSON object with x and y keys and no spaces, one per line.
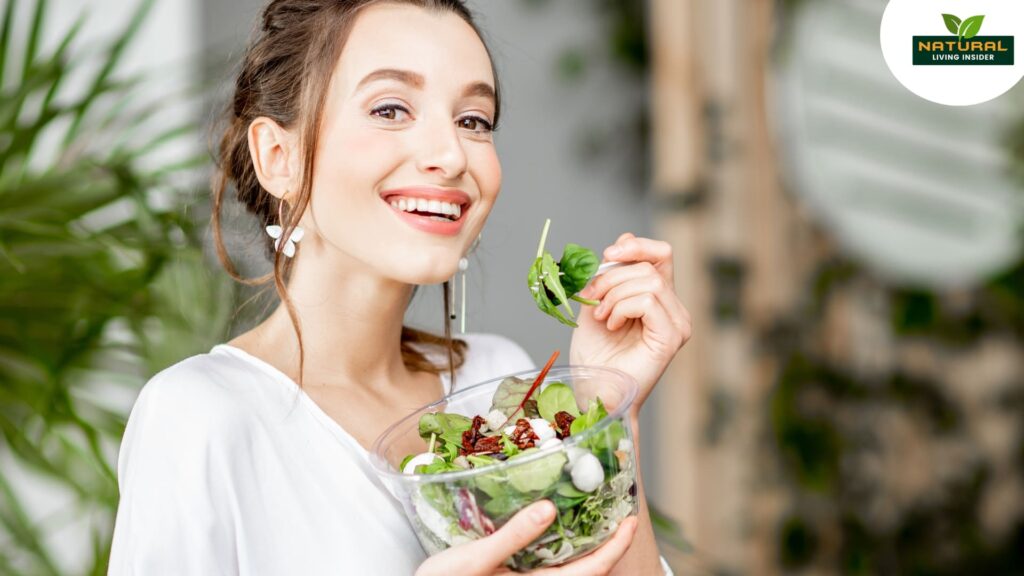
{"x":963,"y":67}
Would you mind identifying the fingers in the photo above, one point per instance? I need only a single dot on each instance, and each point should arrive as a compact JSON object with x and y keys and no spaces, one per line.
{"x":486,"y":555}
{"x":600,"y":285}
{"x":634,"y":280}
{"x":603,"y":559}
{"x":629,"y":248}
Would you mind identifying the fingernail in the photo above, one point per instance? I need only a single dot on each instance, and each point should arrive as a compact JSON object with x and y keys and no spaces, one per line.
{"x":613,"y":251}
{"x":542,"y":512}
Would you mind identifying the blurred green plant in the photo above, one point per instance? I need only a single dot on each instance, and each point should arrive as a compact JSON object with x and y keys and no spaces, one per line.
{"x":102,"y":279}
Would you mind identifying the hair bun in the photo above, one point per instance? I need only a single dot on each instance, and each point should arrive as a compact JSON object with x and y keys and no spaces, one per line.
{"x":281,"y":14}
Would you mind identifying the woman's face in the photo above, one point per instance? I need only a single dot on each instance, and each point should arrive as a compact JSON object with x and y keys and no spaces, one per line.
{"x":407,"y":122}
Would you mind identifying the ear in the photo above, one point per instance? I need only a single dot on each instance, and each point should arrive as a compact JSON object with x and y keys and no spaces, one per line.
{"x":275,"y":155}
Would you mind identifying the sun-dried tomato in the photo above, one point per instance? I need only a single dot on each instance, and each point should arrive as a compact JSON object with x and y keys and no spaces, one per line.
{"x":471,"y":436}
{"x":523,"y":436}
{"x":488,"y":444}
{"x":475,"y":442}
{"x":563,"y":420}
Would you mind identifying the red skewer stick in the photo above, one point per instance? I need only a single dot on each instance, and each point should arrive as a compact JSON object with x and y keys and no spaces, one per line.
{"x":540,"y":378}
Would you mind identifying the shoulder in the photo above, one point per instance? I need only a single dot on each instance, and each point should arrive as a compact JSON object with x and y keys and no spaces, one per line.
{"x":490,"y":355}
{"x":205,"y":403}
{"x":202,"y":389}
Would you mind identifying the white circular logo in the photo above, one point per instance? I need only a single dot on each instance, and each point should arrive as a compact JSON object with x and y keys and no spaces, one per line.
{"x":956,"y":53}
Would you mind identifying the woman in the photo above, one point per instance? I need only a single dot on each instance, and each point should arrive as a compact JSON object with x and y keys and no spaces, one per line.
{"x":252,"y":458}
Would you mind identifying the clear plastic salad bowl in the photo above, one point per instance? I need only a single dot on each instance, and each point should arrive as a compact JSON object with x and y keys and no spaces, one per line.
{"x":590,"y":475}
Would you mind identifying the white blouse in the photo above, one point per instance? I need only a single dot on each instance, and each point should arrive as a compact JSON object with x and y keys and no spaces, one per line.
{"x":226,"y":467}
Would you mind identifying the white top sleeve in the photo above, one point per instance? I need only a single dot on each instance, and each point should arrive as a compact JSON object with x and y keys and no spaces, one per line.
{"x":175,"y":512}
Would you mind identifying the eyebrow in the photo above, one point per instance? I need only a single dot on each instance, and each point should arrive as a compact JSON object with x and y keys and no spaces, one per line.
{"x":416,"y":80}
{"x":405,"y":76}
{"x":480,"y":89}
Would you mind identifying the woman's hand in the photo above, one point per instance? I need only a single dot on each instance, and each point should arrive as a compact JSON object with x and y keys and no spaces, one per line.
{"x":486,"y":556}
{"x":640,"y":323}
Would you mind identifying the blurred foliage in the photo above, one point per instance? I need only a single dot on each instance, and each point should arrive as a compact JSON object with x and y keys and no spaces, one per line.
{"x":821,"y":408}
{"x":830,"y":420}
{"x":102,"y":279}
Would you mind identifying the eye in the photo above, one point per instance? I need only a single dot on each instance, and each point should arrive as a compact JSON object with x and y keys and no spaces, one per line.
{"x":390,"y":111}
{"x":475,"y":124}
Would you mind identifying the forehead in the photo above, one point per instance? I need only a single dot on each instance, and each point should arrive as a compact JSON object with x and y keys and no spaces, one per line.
{"x":440,"y":46}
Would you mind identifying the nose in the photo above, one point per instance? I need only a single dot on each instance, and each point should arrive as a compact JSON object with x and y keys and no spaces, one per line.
{"x":442,"y":153}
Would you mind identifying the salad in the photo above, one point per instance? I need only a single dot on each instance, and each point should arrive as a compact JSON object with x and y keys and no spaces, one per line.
{"x":579,"y":460}
{"x":553,"y":284}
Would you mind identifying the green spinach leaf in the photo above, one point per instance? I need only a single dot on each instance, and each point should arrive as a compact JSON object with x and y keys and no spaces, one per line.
{"x":578,"y":265}
{"x":556,"y":397}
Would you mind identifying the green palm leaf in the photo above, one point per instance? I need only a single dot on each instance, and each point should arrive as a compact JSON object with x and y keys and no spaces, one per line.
{"x":99,"y":287}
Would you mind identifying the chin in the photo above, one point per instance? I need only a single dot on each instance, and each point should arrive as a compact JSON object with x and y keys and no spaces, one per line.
{"x":427,"y":274}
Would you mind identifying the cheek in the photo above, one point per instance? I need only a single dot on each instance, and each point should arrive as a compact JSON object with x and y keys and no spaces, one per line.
{"x":487,"y":172}
{"x":349,"y":167}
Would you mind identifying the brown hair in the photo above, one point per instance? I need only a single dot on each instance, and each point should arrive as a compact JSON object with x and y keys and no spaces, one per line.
{"x":284,"y":76}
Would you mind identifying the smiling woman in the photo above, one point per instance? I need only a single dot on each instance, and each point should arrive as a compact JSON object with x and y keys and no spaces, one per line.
{"x":361,"y":133}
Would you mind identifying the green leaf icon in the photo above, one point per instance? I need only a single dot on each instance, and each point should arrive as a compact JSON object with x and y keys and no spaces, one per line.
{"x":970,"y":27}
{"x":952,"y":23}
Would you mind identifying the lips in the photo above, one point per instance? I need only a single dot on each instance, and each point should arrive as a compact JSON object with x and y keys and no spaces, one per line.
{"x":431,"y":225}
{"x":430,"y":193}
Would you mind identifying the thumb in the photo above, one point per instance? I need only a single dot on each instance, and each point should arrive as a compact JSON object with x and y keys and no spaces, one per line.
{"x":482,"y":557}
{"x":526,"y":526}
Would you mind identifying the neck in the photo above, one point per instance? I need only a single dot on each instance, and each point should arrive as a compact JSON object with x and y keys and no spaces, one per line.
{"x":351,"y":332}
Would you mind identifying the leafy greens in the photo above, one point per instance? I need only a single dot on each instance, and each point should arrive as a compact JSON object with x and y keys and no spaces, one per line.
{"x":553,"y":284}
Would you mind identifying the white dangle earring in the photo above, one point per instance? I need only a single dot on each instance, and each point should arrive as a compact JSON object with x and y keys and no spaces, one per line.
{"x":463,"y":267}
{"x":275,"y":231}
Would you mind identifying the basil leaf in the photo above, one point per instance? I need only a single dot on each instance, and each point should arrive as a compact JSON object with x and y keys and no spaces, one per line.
{"x":537,"y":475}
{"x":595,"y":412}
{"x":579,"y":265}
{"x":491,"y":484}
{"x":550,"y":275}
{"x":544,"y":297}
{"x":555,"y":398}
{"x":435,"y":467}
{"x":508,"y":446}
{"x":448,"y":428}
{"x":405,"y":461}
{"x":506,"y":504}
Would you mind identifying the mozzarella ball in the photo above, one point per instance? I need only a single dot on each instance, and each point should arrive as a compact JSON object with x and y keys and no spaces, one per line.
{"x":424,"y":458}
{"x":587,"y":473}
{"x":542,"y":428}
{"x":495,"y":418}
{"x":574,"y":453}
{"x":550,"y":443}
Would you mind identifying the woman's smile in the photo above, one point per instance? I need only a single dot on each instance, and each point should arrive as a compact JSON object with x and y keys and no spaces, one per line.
{"x":434,"y":210}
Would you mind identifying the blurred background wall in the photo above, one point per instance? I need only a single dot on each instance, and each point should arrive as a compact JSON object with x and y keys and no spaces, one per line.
{"x":851,"y":401}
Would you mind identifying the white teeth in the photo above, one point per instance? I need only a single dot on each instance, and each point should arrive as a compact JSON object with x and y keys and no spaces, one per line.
{"x":449,"y":210}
